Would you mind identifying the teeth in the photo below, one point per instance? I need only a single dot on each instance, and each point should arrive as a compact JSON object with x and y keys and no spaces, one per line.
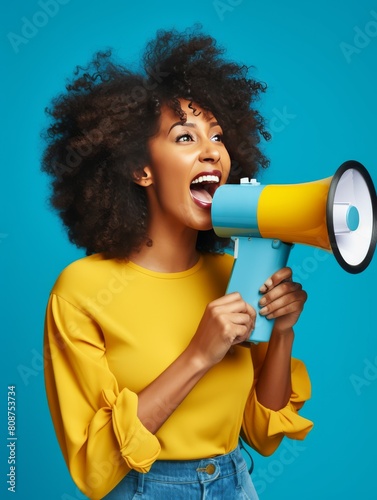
{"x":206,"y":178}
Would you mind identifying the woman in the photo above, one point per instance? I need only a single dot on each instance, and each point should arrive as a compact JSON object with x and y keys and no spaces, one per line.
{"x":148,"y":387}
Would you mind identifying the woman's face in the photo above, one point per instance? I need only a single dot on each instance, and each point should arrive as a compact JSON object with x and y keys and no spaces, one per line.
{"x":188,"y":162}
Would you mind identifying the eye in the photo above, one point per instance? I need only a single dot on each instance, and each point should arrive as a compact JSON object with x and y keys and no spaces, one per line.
{"x":184,"y":138}
{"x":217,"y":138}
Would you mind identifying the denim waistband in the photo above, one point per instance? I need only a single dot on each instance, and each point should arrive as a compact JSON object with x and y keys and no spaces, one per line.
{"x":207,"y":469}
{"x":223,"y":477}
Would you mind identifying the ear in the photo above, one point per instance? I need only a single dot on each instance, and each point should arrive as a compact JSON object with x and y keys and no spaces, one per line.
{"x":145,"y":179}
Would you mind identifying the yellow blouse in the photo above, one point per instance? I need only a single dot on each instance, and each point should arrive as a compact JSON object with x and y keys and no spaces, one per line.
{"x":111,"y":328}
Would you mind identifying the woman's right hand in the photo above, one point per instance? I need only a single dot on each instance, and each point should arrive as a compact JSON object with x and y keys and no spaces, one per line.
{"x":226,"y":321}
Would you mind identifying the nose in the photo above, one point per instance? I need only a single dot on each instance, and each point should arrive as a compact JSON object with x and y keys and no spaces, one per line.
{"x":209,"y":152}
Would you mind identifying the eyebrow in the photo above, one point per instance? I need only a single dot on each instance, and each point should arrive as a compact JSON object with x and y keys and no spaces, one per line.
{"x":189,"y":124}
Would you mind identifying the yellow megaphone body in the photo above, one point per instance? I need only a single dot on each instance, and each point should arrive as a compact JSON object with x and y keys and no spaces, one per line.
{"x":337,"y":213}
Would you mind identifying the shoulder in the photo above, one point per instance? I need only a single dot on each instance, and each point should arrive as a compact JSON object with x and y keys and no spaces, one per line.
{"x":85,"y":275}
{"x":80,"y":268}
{"x":218,"y":266}
{"x":219,"y":261}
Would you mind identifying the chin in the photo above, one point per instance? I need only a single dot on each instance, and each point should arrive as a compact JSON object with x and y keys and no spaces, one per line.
{"x":204,"y":227}
{"x":200,"y":220}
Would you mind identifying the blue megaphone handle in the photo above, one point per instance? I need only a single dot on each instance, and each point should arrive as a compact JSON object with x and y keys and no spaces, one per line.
{"x":256,"y":259}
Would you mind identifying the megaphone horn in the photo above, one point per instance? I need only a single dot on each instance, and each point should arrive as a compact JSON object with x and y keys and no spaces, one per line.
{"x":351,"y":216}
{"x":337,"y":213}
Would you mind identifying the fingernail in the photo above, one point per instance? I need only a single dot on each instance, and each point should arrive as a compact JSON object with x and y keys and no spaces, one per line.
{"x":266,"y":285}
{"x":263,"y":311}
{"x":262,"y":302}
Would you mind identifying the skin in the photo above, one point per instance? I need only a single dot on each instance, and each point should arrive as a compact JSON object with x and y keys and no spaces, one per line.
{"x":178,"y":153}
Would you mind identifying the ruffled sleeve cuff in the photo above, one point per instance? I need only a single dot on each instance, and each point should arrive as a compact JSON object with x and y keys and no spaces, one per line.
{"x":285,"y":422}
{"x":139,"y":447}
{"x":264,"y":428}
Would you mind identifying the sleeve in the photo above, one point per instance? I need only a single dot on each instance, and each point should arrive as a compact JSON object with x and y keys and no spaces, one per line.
{"x":96,"y":425}
{"x":264,"y":429}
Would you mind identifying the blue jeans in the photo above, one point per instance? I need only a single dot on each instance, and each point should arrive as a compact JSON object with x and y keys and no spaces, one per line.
{"x":224,"y":477}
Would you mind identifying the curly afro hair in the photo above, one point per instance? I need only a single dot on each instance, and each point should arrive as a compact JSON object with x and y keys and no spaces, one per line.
{"x":97,"y":140}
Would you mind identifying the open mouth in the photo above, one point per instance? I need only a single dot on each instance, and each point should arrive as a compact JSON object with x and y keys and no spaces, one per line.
{"x":203,"y":187}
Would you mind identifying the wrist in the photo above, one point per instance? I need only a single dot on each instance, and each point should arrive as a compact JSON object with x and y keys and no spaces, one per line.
{"x":283,"y":334}
{"x":196,"y":362}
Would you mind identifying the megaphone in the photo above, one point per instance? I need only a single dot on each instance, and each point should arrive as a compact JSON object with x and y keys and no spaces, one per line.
{"x":337,"y":214}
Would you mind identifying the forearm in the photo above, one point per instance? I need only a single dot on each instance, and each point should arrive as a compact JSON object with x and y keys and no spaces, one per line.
{"x":274,"y":386}
{"x":226,"y":321}
{"x":160,"y":398}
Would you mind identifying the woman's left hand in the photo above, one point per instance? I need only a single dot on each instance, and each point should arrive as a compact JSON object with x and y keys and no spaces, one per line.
{"x":283,"y":299}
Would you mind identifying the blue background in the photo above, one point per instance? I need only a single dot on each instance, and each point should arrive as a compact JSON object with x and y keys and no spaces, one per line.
{"x":319,"y":60}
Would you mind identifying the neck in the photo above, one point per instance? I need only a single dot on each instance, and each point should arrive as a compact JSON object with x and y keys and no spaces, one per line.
{"x":168,"y":253}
